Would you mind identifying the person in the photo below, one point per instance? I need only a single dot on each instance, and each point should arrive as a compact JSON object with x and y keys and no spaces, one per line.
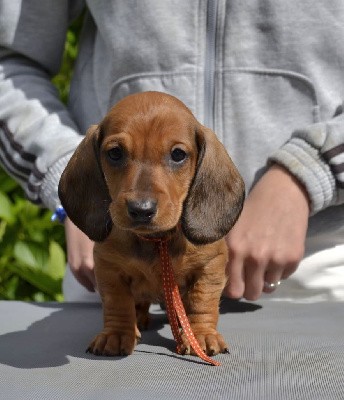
{"x":266,"y":76}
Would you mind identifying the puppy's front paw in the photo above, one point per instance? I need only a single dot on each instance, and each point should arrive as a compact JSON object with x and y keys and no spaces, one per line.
{"x":211,"y":343}
{"x":112,"y":343}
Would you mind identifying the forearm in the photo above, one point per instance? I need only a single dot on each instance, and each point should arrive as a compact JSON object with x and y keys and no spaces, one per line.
{"x":36,"y":132}
{"x":315,"y":156}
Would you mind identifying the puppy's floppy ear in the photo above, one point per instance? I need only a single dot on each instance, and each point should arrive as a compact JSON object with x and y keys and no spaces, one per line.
{"x":216,"y":195}
{"x":83,"y":191}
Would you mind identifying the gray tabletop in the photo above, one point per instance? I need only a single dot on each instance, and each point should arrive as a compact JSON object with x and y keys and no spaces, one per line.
{"x":279,"y":350}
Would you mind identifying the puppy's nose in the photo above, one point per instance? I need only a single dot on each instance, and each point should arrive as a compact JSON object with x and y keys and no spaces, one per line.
{"x":142,"y":210}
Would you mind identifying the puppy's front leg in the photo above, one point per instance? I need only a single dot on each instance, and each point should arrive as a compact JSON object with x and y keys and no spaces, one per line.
{"x":120,"y":334}
{"x":202,"y":307}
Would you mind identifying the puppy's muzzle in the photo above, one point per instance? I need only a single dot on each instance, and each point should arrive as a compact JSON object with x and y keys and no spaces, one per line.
{"x":142,"y":211}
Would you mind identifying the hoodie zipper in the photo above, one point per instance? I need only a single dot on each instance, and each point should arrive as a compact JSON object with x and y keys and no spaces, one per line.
{"x":209,"y":67}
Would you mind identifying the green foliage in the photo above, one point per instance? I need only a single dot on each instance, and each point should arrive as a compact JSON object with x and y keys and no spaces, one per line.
{"x":32,"y":256}
{"x":32,"y":248}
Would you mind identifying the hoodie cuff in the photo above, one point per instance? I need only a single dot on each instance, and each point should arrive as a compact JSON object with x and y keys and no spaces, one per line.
{"x":49,"y":187}
{"x":306,"y":164}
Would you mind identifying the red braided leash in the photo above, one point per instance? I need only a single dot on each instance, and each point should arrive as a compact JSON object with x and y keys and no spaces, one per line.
{"x":174,"y":305}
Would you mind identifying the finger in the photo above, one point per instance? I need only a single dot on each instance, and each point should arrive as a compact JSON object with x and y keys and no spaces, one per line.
{"x":254,"y":279}
{"x":91,"y":278}
{"x":84,"y":276}
{"x":289,"y":269}
{"x":235,"y":286}
{"x":272,"y":279}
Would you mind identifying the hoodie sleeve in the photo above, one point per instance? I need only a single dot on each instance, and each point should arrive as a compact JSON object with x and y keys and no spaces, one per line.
{"x":315,"y":156}
{"x":37,"y":134}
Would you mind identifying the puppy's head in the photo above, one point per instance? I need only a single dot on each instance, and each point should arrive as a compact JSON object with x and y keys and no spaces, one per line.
{"x":148,"y":166}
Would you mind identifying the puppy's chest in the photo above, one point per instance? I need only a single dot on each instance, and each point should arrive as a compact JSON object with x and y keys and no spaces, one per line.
{"x":148,"y":252}
{"x":146,"y":281}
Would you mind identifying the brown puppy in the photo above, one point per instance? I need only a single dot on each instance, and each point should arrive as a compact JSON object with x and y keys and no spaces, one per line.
{"x":149,"y":169}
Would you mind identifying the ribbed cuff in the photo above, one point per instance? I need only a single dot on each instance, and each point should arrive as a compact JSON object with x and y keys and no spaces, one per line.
{"x":49,"y":194}
{"x":305,"y":163}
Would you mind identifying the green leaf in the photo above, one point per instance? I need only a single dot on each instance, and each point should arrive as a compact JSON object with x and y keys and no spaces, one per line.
{"x":8,"y":288}
{"x":5,"y":208}
{"x":57,"y":261}
{"x":37,"y":278}
{"x":3,"y":225}
{"x":31,"y":254}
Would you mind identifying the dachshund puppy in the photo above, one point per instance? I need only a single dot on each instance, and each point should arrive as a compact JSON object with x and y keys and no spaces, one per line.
{"x":148,"y":170}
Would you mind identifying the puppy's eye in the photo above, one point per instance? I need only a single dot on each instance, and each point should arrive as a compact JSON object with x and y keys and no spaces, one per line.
{"x":178,"y":155}
{"x":116,"y":154}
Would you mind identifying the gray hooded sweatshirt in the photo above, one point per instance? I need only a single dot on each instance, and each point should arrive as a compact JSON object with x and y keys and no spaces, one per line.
{"x":266,"y":76}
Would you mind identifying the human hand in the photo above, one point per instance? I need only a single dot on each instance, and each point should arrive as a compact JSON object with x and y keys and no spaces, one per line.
{"x":80,"y":255}
{"x":267,"y":242}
